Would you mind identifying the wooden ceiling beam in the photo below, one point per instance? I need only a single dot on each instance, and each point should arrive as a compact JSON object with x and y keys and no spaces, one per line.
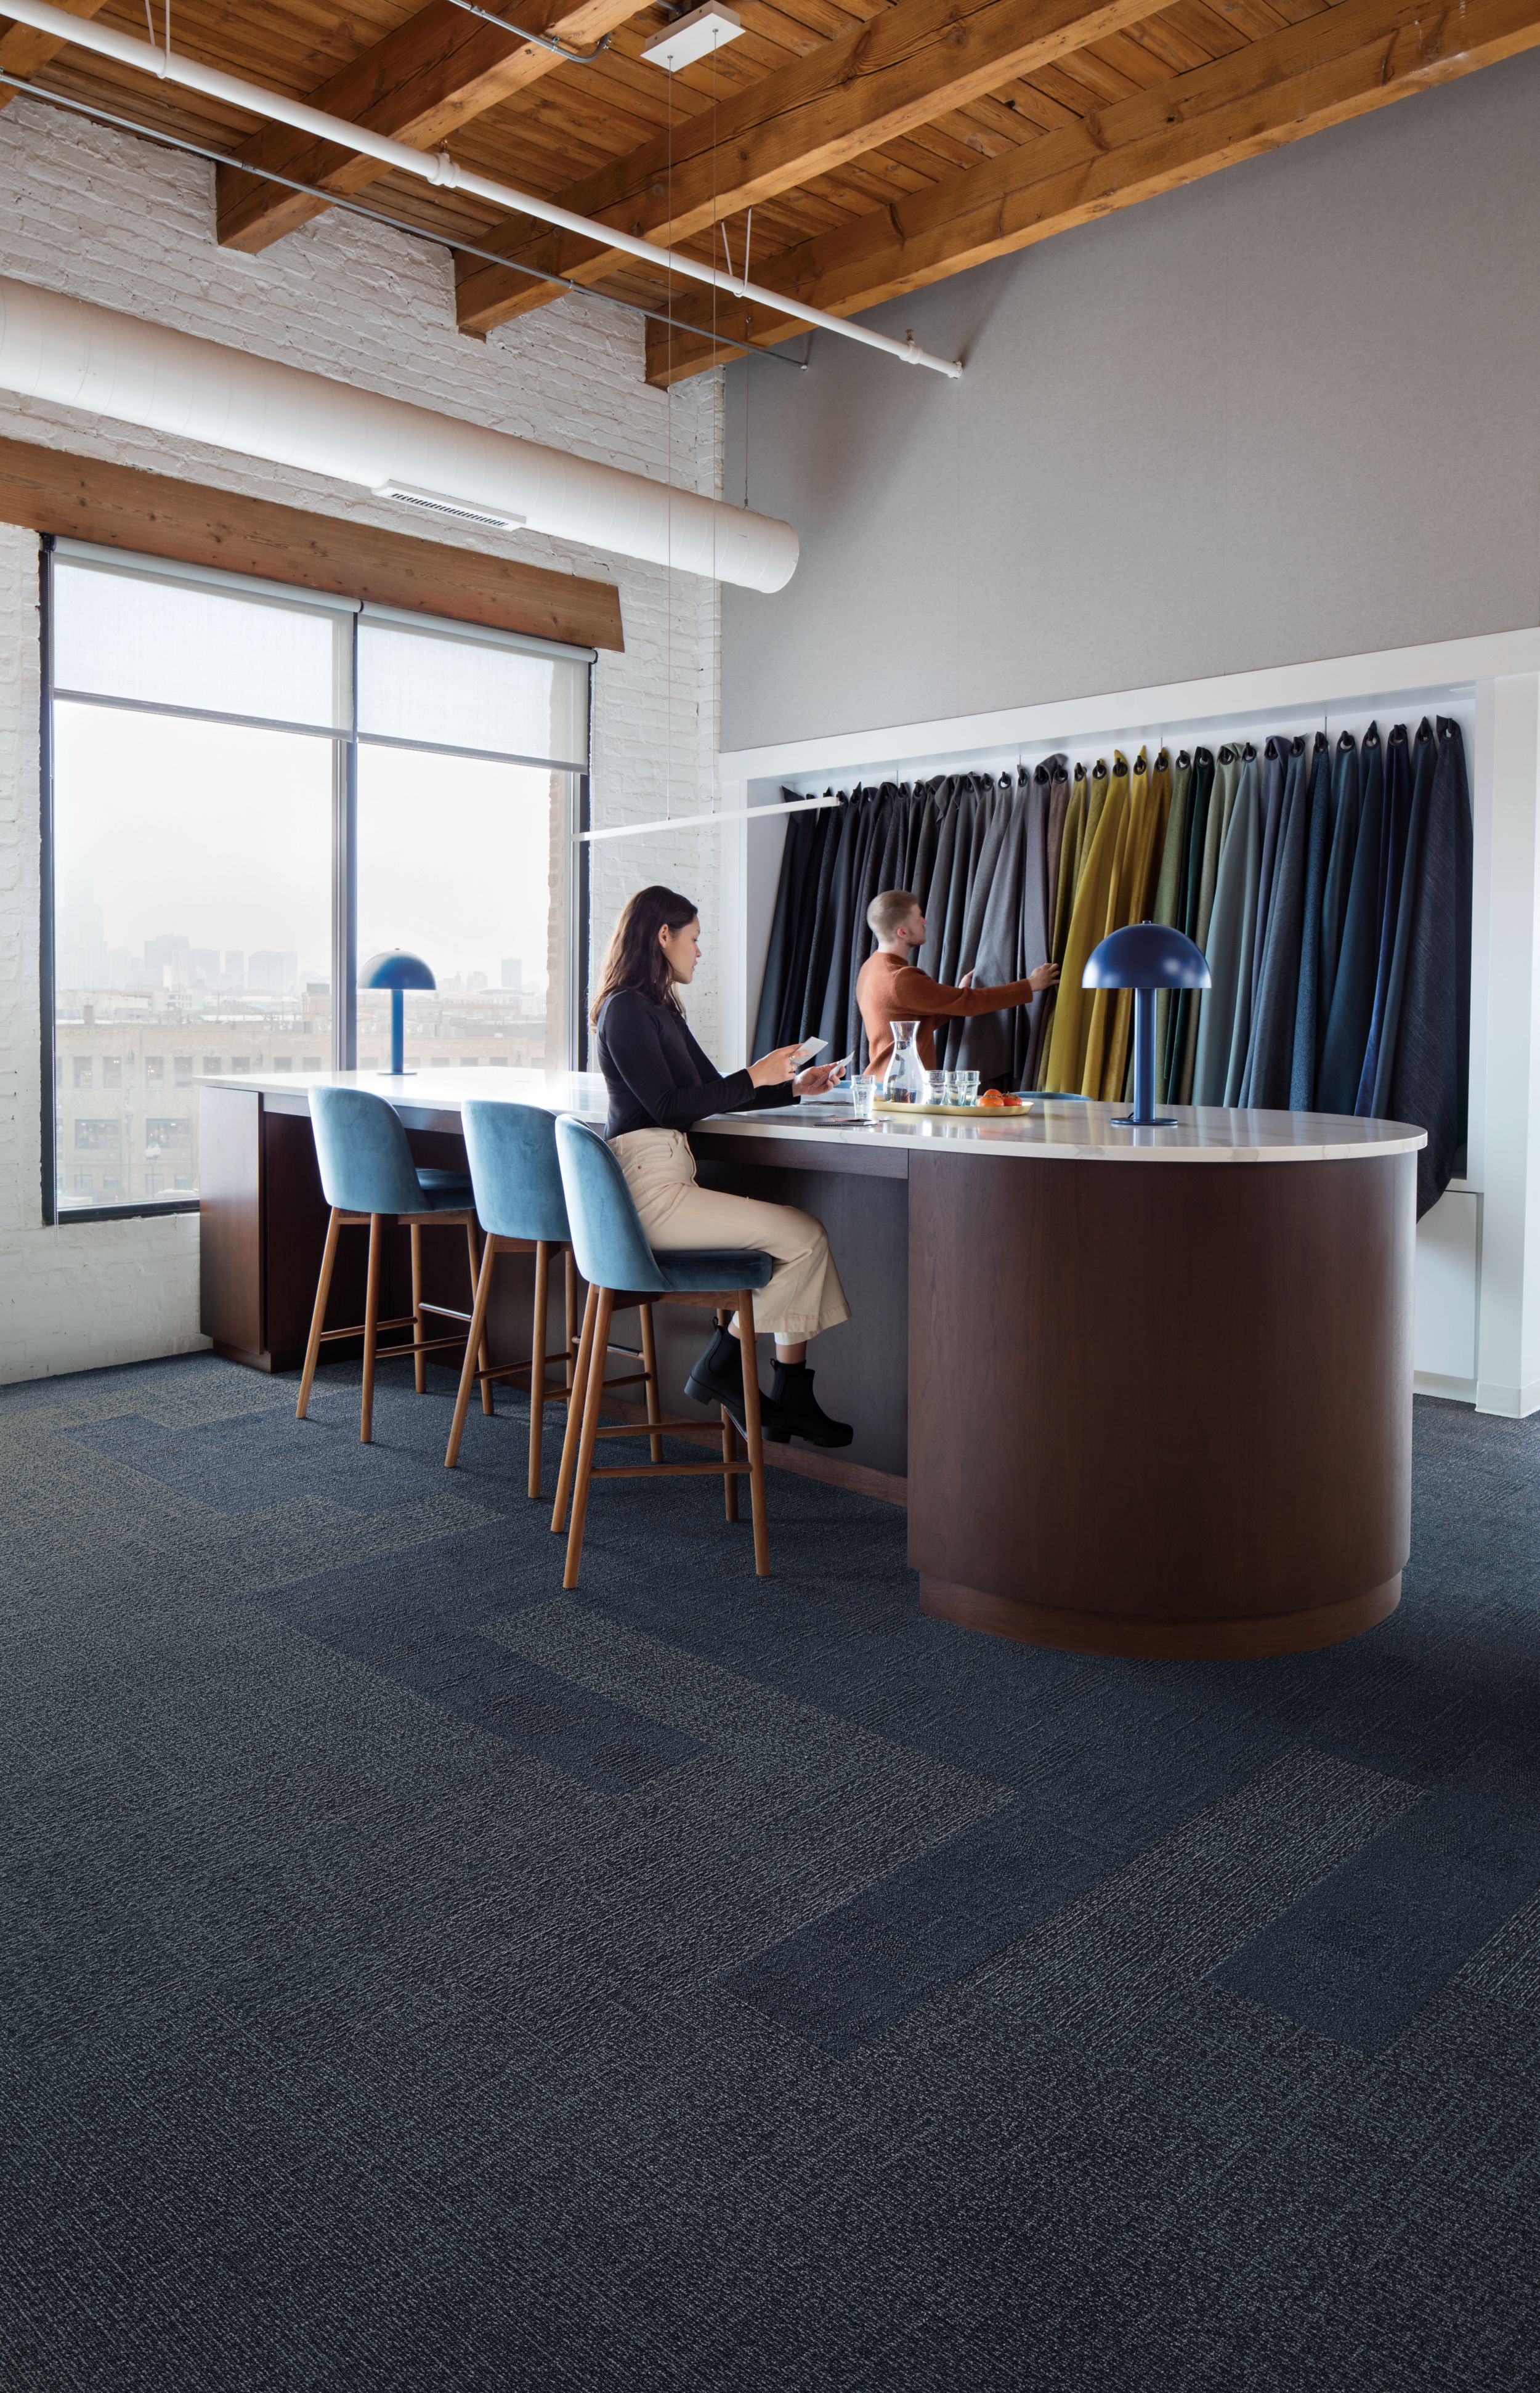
{"x":418,"y":85}
{"x":915,"y":62}
{"x":1357,"y":55}
{"x":23,"y":51}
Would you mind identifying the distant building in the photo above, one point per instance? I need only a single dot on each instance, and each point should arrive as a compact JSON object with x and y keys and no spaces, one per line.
{"x":512,"y":972}
{"x":271,"y":972}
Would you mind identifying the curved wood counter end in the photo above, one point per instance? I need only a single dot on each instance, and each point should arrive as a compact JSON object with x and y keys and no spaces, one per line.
{"x":1161,"y":1412}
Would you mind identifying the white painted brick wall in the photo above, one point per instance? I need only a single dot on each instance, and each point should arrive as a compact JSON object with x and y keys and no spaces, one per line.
{"x":104,"y":216}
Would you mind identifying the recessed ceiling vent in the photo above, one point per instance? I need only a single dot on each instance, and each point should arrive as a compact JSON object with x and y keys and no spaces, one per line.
{"x":458,"y":510}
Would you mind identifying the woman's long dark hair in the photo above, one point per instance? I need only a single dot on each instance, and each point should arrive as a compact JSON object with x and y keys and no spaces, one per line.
{"x":634,"y":959}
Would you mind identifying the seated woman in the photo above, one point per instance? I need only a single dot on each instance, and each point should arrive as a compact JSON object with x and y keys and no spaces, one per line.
{"x":659,"y":1082}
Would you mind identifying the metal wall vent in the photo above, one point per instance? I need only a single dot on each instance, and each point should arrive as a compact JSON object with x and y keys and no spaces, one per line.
{"x":431,"y":503}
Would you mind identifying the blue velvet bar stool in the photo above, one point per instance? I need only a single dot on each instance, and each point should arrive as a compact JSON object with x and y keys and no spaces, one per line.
{"x":619,"y":1264}
{"x":519,"y":1203}
{"x":369,"y":1179}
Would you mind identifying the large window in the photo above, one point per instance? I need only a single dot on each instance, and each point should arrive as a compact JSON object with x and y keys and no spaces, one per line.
{"x":251,"y":789}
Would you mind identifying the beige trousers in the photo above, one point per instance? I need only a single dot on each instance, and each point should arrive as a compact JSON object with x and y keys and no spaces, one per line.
{"x":803,"y":1295}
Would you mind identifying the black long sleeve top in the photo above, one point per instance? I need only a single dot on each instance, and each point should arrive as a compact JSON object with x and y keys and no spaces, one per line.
{"x":659,"y":1077}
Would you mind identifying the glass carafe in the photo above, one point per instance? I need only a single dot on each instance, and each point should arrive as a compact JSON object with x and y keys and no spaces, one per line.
{"x":904,"y":1082}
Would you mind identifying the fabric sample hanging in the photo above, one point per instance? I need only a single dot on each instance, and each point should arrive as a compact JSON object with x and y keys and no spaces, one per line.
{"x":1307,"y":1037}
{"x":1339,"y":864}
{"x":1176,"y":1073}
{"x":1224,"y":1025}
{"x":1071,"y":1014}
{"x":1168,"y":894}
{"x":1271,"y":1062}
{"x":1189,"y":1006}
{"x":1353,"y":991}
{"x":1397,"y":827}
{"x":1430,"y":1077}
{"x":1424,"y":765}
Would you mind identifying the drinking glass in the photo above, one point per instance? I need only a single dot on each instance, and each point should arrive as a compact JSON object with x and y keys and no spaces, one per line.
{"x":864,"y":1094}
{"x":937,"y":1088}
{"x":967,"y":1088}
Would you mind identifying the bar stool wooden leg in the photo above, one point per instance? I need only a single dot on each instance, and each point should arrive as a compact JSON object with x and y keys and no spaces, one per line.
{"x":537,"y":1363}
{"x":593,"y":1397}
{"x":729,"y":1454}
{"x":480,"y":1344}
{"x":370,"y":1326}
{"x":474,"y":1342}
{"x":649,"y":1364}
{"x":572,"y":1323}
{"x":574,"y":1412}
{"x":318,"y":1318}
{"x":419,"y":1362}
{"x":751,"y":1425}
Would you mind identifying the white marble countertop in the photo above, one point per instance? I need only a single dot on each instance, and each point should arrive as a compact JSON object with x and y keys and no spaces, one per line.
{"x":1062,"y":1129}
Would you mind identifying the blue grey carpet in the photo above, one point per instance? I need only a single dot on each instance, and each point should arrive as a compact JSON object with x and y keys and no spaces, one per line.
{"x":417,"y":1980}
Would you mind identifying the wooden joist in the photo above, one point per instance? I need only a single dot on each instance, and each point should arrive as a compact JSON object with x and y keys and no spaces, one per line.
{"x":1355,"y":56}
{"x":123,"y":507}
{"x":914,"y":62}
{"x":23,"y":51}
{"x":432,"y":74}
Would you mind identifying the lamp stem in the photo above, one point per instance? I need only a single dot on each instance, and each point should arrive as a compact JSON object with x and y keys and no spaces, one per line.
{"x":1144,"y":1057}
{"x":398,"y":1031}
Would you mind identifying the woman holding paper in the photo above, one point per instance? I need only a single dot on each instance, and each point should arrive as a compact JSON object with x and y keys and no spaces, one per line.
{"x":659,"y":1083}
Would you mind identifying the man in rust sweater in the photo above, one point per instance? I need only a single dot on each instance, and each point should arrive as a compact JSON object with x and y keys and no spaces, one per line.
{"x":889,"y":989}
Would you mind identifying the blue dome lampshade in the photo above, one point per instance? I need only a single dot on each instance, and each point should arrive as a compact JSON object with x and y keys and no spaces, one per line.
{"x":395,"y":970}
{"x":1145,"y":957}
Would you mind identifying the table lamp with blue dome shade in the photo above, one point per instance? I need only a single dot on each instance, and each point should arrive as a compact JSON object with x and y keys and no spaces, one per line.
{"x":395,"y":970}
{"x":1145,"y":957}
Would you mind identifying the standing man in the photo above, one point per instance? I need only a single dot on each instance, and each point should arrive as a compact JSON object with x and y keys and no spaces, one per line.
{"x":889,"y":989}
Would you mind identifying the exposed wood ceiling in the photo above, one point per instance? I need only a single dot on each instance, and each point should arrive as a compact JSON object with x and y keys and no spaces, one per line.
{"x":880,"y":147}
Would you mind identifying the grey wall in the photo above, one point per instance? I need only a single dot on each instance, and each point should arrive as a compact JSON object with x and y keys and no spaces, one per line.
{"x":1291,"y":412}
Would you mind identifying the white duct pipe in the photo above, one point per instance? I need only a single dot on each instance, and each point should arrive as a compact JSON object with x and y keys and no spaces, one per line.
{"x":439,"y":168}
{"x":77,"y":355}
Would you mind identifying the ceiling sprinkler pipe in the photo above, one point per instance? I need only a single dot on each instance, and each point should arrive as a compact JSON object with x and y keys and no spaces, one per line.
{"x":73,"y":354}
{"x":439,"y":168}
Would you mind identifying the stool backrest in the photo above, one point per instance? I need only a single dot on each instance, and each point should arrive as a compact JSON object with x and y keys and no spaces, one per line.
{"x":366,"y":1165}
{"x":608,"y":1237}
{"x":513,"y":1168}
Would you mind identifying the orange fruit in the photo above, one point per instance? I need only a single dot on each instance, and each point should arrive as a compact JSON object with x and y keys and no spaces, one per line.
{"x":991,"y":1097}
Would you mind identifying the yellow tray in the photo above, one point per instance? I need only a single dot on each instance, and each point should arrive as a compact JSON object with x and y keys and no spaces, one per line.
{"x":955,"y":1112}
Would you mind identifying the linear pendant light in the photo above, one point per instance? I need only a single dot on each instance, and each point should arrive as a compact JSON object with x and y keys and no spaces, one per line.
{"x":437,"y":169}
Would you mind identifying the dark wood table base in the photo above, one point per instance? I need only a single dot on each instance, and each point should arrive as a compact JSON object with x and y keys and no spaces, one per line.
{"x":1236,"y":1640}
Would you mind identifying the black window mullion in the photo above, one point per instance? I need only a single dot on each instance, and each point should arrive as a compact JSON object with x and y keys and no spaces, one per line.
{"x":46,"y":945}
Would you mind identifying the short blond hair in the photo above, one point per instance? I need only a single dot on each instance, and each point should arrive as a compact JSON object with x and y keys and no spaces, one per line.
{"x":890,"y":909}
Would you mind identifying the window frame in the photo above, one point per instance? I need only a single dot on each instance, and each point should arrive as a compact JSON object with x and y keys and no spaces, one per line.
{"x":570,"y":1007}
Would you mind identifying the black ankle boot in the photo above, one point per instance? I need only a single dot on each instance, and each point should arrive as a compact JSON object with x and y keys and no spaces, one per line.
{"x":800,"y":1408}
{"x":717,"y":1379}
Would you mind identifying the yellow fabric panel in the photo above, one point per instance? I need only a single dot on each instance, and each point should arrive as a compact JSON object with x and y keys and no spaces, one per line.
{"x":1143,"y":864}
{"x":1071,"y":1014}
{"x":1127,"y":796}
{"x":1069,"y":863}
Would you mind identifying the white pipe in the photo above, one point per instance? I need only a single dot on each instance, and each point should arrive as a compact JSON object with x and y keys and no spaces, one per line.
{"x":77,"y":355}
{"x":439,"y":168}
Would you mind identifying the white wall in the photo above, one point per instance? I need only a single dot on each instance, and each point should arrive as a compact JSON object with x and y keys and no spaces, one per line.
{"x":104,"y":216}
{"x":1288,"y":412}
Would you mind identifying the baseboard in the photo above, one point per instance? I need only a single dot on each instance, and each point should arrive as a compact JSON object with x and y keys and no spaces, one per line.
{"x":1437,"y":1383}
{"x":1512,"y":1404}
